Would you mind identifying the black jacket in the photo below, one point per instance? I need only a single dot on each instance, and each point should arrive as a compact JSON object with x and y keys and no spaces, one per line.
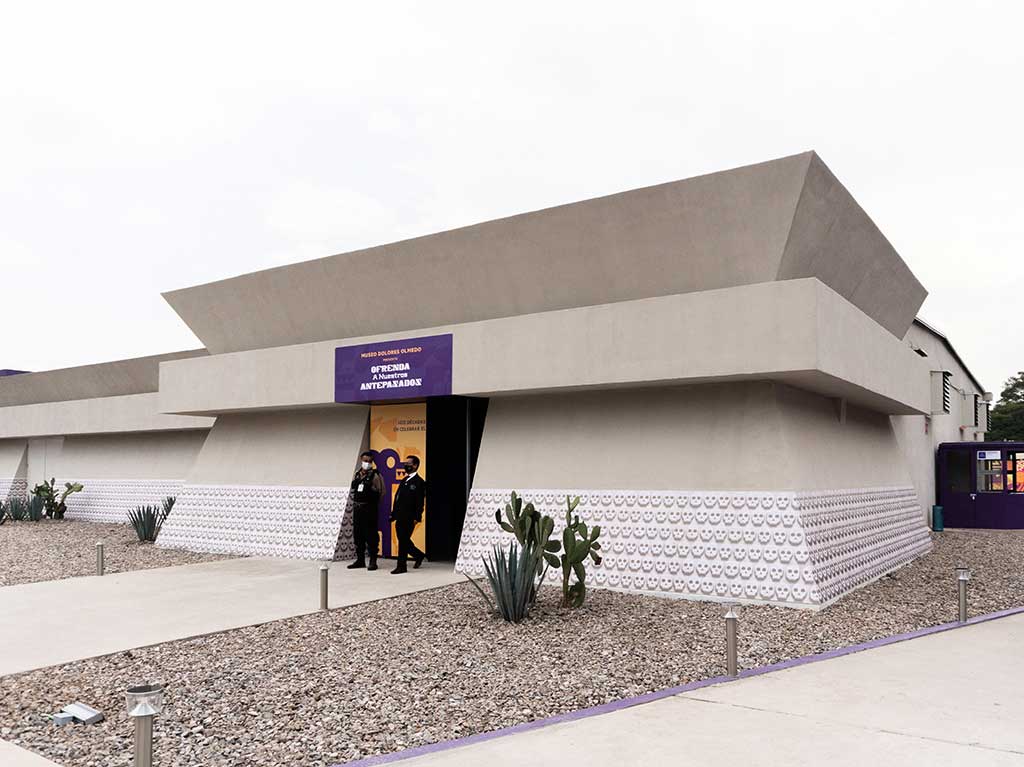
{"x":409,"y":500}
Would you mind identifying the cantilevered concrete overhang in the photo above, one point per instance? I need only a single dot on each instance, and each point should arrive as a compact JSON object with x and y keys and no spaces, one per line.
{"x":101,"y":415}
{"x":800,"y":332}
{"x":102,"y":379}
{"x":104,"y":398}
{"x":774,"y":221}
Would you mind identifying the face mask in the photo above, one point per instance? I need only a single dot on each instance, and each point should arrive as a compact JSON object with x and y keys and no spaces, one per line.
{"x":366,"y":466}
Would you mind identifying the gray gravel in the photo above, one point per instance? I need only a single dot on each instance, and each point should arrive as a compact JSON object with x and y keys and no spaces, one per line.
{"x":48,"y":550}
{"x":431,"y":666}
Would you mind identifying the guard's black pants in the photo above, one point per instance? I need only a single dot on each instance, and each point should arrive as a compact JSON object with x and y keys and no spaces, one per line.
{"x":364,"y":530}
{"x":406,"y":548}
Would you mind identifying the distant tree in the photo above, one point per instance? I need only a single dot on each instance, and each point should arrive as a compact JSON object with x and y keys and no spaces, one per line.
{"x":1008,"y":414}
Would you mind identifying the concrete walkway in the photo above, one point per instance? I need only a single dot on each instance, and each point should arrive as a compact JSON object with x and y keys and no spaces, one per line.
{"x":954,"y":698}
{"x":14,"y":756}
{"x":43,"y":624}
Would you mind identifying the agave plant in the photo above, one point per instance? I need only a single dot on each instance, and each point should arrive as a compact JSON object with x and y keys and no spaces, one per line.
{"x":512,"y":578}
{"x":3,"y":512}
{"x":533,"y":532}
{"x":16,"y":509}
{"x":35,"y":509}
{"x":147,"y":521}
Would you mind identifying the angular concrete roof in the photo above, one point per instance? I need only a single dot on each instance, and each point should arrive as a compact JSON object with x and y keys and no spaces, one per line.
{"x":779,"y":220}
{"x":104,"y":379}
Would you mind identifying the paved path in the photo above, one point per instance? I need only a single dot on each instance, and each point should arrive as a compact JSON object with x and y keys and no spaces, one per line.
{"x":13,"y":756}
{"x":955,"y":698}
{"x":43,"y":624}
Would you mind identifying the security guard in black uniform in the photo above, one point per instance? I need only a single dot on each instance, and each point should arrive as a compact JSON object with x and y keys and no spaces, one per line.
{"x":407,"y":511}
{"x":367,"y":487}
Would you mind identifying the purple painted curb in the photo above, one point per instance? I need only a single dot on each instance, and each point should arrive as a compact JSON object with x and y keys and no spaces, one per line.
{"x":618,"y":705}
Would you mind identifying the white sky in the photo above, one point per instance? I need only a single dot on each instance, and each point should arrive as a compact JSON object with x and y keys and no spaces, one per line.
{"x":145,"y":148}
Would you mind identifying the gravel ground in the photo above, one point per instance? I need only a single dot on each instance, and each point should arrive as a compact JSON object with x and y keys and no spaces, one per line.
{"x":431,"y":666}
{"x":49,"y":550}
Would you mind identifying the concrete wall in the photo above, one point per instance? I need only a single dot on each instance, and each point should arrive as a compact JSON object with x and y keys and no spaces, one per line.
{"x":919,"y":436}
{"x":43,"y":459}
{"x":13,"y":459}
{"x":798,"y":331}
{"x":159,"y":455}
{"x":302,"y":448}
{"x":272,"y":484}
{"x":13,"y":468}
{"x":758,"y":436}
{"x":755,"y":491}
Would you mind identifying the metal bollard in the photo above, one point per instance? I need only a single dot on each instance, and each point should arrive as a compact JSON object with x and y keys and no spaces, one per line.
{"x":963,"y":574}
{"x":99,"y":558}
{"x":323,"y":587}
{"x":144,"y":701}
{"x":731,"y":620}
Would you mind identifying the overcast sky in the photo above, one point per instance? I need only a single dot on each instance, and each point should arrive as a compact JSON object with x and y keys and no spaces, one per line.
{"x":143,"y":150}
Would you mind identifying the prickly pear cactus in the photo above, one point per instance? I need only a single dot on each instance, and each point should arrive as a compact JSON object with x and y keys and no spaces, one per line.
{"x":533,"y":530}
{"x":578,"y":543}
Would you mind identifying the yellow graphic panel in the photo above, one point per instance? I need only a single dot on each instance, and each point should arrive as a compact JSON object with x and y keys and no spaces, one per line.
{"x":397,"y":431}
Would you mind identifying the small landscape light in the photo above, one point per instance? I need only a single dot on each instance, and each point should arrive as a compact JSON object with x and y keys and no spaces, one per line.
{"x":323,"y":587}
{"x":963,"y":575}
{"x":143,"y":702}
{"x":732,"y":615}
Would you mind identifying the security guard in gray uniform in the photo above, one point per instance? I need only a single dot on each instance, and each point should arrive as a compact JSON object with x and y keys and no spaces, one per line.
{"x":367,"y":488}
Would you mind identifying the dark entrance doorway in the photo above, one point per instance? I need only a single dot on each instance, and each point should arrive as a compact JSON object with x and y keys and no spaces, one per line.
{"x":455,"y":426}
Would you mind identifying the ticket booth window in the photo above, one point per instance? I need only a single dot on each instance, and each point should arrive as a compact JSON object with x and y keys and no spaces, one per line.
{"x":990,"y":472}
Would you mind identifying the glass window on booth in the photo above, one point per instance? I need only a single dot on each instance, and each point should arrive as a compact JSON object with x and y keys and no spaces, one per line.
{"x":990,"y":471}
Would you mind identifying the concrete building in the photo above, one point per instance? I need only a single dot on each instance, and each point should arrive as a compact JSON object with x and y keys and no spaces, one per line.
{"x":726,"y":369}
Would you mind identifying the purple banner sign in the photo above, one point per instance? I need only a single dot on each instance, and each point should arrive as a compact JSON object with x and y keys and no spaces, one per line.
{"x":407,"y":368}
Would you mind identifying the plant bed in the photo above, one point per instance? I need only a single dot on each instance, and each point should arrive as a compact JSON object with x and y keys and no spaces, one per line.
{"x":431,"y":666}
{"x":52,"y":549}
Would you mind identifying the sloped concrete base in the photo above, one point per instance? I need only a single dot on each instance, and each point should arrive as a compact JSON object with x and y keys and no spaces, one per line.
{"x":796,"y":549}
{"x":261,"y":520}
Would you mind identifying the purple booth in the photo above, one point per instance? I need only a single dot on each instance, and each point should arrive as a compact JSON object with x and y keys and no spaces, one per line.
{"x":981,"y":484}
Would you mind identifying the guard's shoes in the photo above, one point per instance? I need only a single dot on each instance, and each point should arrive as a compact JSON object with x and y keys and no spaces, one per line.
{"x":373,"y":564}
{"x":419,"y":561}
{"x":399,"y":570}
{"x":356,"y":565}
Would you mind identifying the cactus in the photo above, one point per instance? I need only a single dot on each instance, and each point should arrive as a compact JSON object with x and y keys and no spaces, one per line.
{"x":578,"y":543}
{"x":55,"y":507}
{"x":533,"y":532}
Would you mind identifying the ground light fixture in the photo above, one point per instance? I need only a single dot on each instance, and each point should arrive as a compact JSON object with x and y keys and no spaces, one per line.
{"x":144,"y":702}
{"x":963,"y":574}
{"x":732,"y":617}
